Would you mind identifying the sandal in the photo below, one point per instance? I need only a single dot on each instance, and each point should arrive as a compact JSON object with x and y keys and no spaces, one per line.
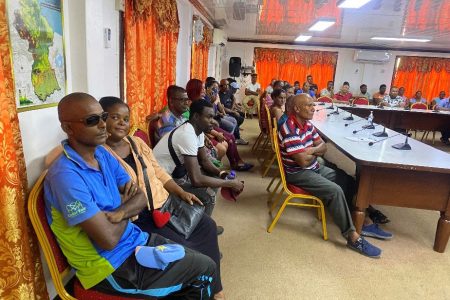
{"x":378,"y":217}
{"x":244,"y":167}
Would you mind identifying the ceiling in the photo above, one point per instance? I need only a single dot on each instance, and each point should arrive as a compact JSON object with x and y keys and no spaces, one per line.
{"x":281,"y":21}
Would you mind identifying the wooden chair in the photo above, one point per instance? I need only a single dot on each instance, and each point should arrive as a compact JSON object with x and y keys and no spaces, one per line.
{"x":325,"y":99}
{"x":420,"y":105}
{"x":57,"y":262}
{"x":294,"y":192}
{"x":361,"y":101}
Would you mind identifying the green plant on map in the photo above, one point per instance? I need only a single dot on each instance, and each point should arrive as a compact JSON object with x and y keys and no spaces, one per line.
{"x":35,"y":29}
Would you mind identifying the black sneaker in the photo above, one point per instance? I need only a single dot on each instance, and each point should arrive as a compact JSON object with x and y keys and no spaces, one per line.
{"x":219,"y":230}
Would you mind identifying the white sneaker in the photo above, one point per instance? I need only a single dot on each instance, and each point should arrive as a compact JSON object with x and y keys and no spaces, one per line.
{"x":241,"y":142}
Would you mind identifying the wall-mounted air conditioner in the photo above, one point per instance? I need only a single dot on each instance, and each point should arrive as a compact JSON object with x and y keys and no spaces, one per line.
{"x":372,"y":57}
{"x":219,"y":37}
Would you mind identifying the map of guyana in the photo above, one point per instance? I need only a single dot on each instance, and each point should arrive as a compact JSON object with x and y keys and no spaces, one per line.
{"x":34,"y":28}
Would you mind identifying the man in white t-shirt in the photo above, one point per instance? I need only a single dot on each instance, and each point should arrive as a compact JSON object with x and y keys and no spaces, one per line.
{"x":251,"y":99}
{"x":197,"y":175}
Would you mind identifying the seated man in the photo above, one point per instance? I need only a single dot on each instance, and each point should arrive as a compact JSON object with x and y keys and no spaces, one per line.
{"x":252,"y":92}
{"x":228,"y":101}
{"x":363,"y":93}
{"x":401,"y":93}
{"x":307,"y":90}
{"x":437,"y":101}
{"x":89,"y":200}
{"x":300,"y":145}
{"x":173,"y":114}
{"x":393,"y":99}
{"x":344,"y":95}
{"x":444,"y":104}
{"x":328,"y":91}
{"x":312,"y":86}
{"x":188,"y":147}
{"x":378,"y":96}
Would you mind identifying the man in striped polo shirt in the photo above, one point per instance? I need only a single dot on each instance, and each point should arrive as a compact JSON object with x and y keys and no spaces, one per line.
{"x":300,"y":145}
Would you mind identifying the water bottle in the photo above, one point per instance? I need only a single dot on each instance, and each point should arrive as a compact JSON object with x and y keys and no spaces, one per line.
{"x":370,"y":118}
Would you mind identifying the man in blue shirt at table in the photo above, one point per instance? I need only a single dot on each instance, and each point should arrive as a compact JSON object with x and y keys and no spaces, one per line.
{"x":89,"y":200}
{"x":300,"y":146}
{"x":443,"y":103}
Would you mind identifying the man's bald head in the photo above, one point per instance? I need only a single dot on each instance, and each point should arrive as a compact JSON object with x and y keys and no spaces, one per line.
{"x":223,"y":86}
{"x":74,"y":104}
{"x":303,"y":107}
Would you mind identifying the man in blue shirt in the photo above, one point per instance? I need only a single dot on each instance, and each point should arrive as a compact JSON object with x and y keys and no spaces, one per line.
{"x":89,"y":200}
{"x":443,"y":103}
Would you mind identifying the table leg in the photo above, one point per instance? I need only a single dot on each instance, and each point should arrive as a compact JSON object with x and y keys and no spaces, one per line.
{"x":358,"y":219}
{"x":442,"y":233}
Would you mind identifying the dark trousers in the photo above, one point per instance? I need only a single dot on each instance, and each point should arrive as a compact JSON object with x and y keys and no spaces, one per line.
{"x":203,"y":239}
{"x":188,"y":278}
{"x":445,"y":135}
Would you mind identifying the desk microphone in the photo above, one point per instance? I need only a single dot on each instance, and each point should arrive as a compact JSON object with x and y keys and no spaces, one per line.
{"x":336,"y":112}
{"x":371,"y":143}
{"x":350,"y":118}
{"x":321,"y":109}
{"x":355,"y":122}
{"x":364,"y":128}
{"x":381,"y":133}
{"x":331,"y":107}
{"x":403,"y":146}
{"x":321,"y":103}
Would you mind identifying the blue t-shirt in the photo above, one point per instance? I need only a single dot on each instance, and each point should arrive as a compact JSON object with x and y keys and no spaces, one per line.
{"x":74,"y":192}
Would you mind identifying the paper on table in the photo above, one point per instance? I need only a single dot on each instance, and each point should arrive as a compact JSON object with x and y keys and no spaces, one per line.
{"x":359,"y":139}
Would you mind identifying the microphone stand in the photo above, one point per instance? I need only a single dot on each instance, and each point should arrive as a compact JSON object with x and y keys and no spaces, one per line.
{"x":331,"y":107}
{"x":381,"y":133}
{"x":349,"y":118}
{"x":403,"y":146}
{"x":336,"y":112}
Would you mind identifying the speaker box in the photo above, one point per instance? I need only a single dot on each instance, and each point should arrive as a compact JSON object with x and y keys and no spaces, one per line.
{"x":235,"y":67}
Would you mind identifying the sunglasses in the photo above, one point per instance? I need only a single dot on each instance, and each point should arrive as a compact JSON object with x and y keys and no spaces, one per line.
{"x":91,"y":120}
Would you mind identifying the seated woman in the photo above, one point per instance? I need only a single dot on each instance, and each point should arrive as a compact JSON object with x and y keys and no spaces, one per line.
{"x":343,"y":96}
{"x":204,"y":237}
{"x":279,"y":99}
{"x":195,"y":91}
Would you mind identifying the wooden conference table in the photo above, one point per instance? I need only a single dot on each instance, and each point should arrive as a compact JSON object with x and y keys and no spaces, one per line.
{"x":416,"y":178}
{"x":399,"y":118}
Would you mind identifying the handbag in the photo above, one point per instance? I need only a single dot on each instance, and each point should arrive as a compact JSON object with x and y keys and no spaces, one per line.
{"x":184,"y":217}
{"x":160,"y":219}
{"x":180,"y":170}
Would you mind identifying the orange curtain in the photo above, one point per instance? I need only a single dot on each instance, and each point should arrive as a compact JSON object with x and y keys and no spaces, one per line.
{"x":200,"y":55}
{"x":427,"y":74}
{"x":293,"y":65}
{"x":151,"y":37}
{"x":21,"y":274}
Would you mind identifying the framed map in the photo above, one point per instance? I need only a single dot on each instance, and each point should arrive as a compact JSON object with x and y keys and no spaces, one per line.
{"x":37,"y":51}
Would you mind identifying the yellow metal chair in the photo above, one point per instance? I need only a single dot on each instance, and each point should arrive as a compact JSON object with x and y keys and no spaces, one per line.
{"x":294,"y":192}
{"x":269,"y":160}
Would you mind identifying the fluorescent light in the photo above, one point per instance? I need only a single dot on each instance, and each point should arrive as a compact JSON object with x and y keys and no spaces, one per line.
{"x":303,"y":38}
{"x":400,"y":39}
{"x":352,"y":3}
{"x":321,"y":25}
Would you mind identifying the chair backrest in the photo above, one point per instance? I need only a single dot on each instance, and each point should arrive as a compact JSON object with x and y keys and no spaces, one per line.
{"x":279,"y":160}
{"x":361,"y":101}
{"x":263,"y":123}
{"x":419,"y":105}
{"x":269,"y":120}
{"x":153,"y":125}
{"x":325,"y":99}
{"x":57,"y":262}
{"x":140,"y":133}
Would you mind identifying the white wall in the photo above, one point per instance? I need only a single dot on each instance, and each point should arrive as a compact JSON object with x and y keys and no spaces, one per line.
{"x":346,"y":69}
{"x":185,"y":13}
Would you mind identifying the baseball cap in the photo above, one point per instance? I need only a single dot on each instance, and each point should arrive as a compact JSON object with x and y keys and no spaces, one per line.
{"x":158,"y":257}
{"x":234,"y":85}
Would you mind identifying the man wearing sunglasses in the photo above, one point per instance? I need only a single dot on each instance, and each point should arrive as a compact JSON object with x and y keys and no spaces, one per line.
{"x":89,"y":200}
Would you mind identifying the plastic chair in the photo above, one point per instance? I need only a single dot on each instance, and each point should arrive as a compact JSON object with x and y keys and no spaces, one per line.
{"x":57,"y":263}
{"x":361,"y":101}
{"x":294,"y":192}
{"x":420,"y":105}
{"x":325,"y":99}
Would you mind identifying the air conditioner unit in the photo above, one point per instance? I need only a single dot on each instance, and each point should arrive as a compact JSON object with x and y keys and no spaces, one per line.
{"x":372,"y":57}
{"x":219,"y":37}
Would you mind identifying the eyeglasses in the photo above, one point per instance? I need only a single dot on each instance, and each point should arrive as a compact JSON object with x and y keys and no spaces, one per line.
{"x":91,"y":120}
{"x":182,"y":99}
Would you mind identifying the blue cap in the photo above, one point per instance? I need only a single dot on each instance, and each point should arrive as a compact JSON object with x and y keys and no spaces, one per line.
{"x":159,"y":257}
{"x":234,"y":85}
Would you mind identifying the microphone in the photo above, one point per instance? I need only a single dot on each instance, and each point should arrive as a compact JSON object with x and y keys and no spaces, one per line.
{"x":350,"y":118}
{"x":364,"y":128}
{"x":336,"y":112}
{"x":331,"y":107}
{"x":321,"y":109}
{"x":381,"y":133}
{"x":355,"y":122}
{"x":321,"y":103}
{"x":403,"y":146}
{"x":372,"y":143}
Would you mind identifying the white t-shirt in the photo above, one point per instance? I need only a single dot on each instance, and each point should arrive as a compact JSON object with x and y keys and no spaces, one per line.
{"x":184,"y":142}
{"x":253,"y":87}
